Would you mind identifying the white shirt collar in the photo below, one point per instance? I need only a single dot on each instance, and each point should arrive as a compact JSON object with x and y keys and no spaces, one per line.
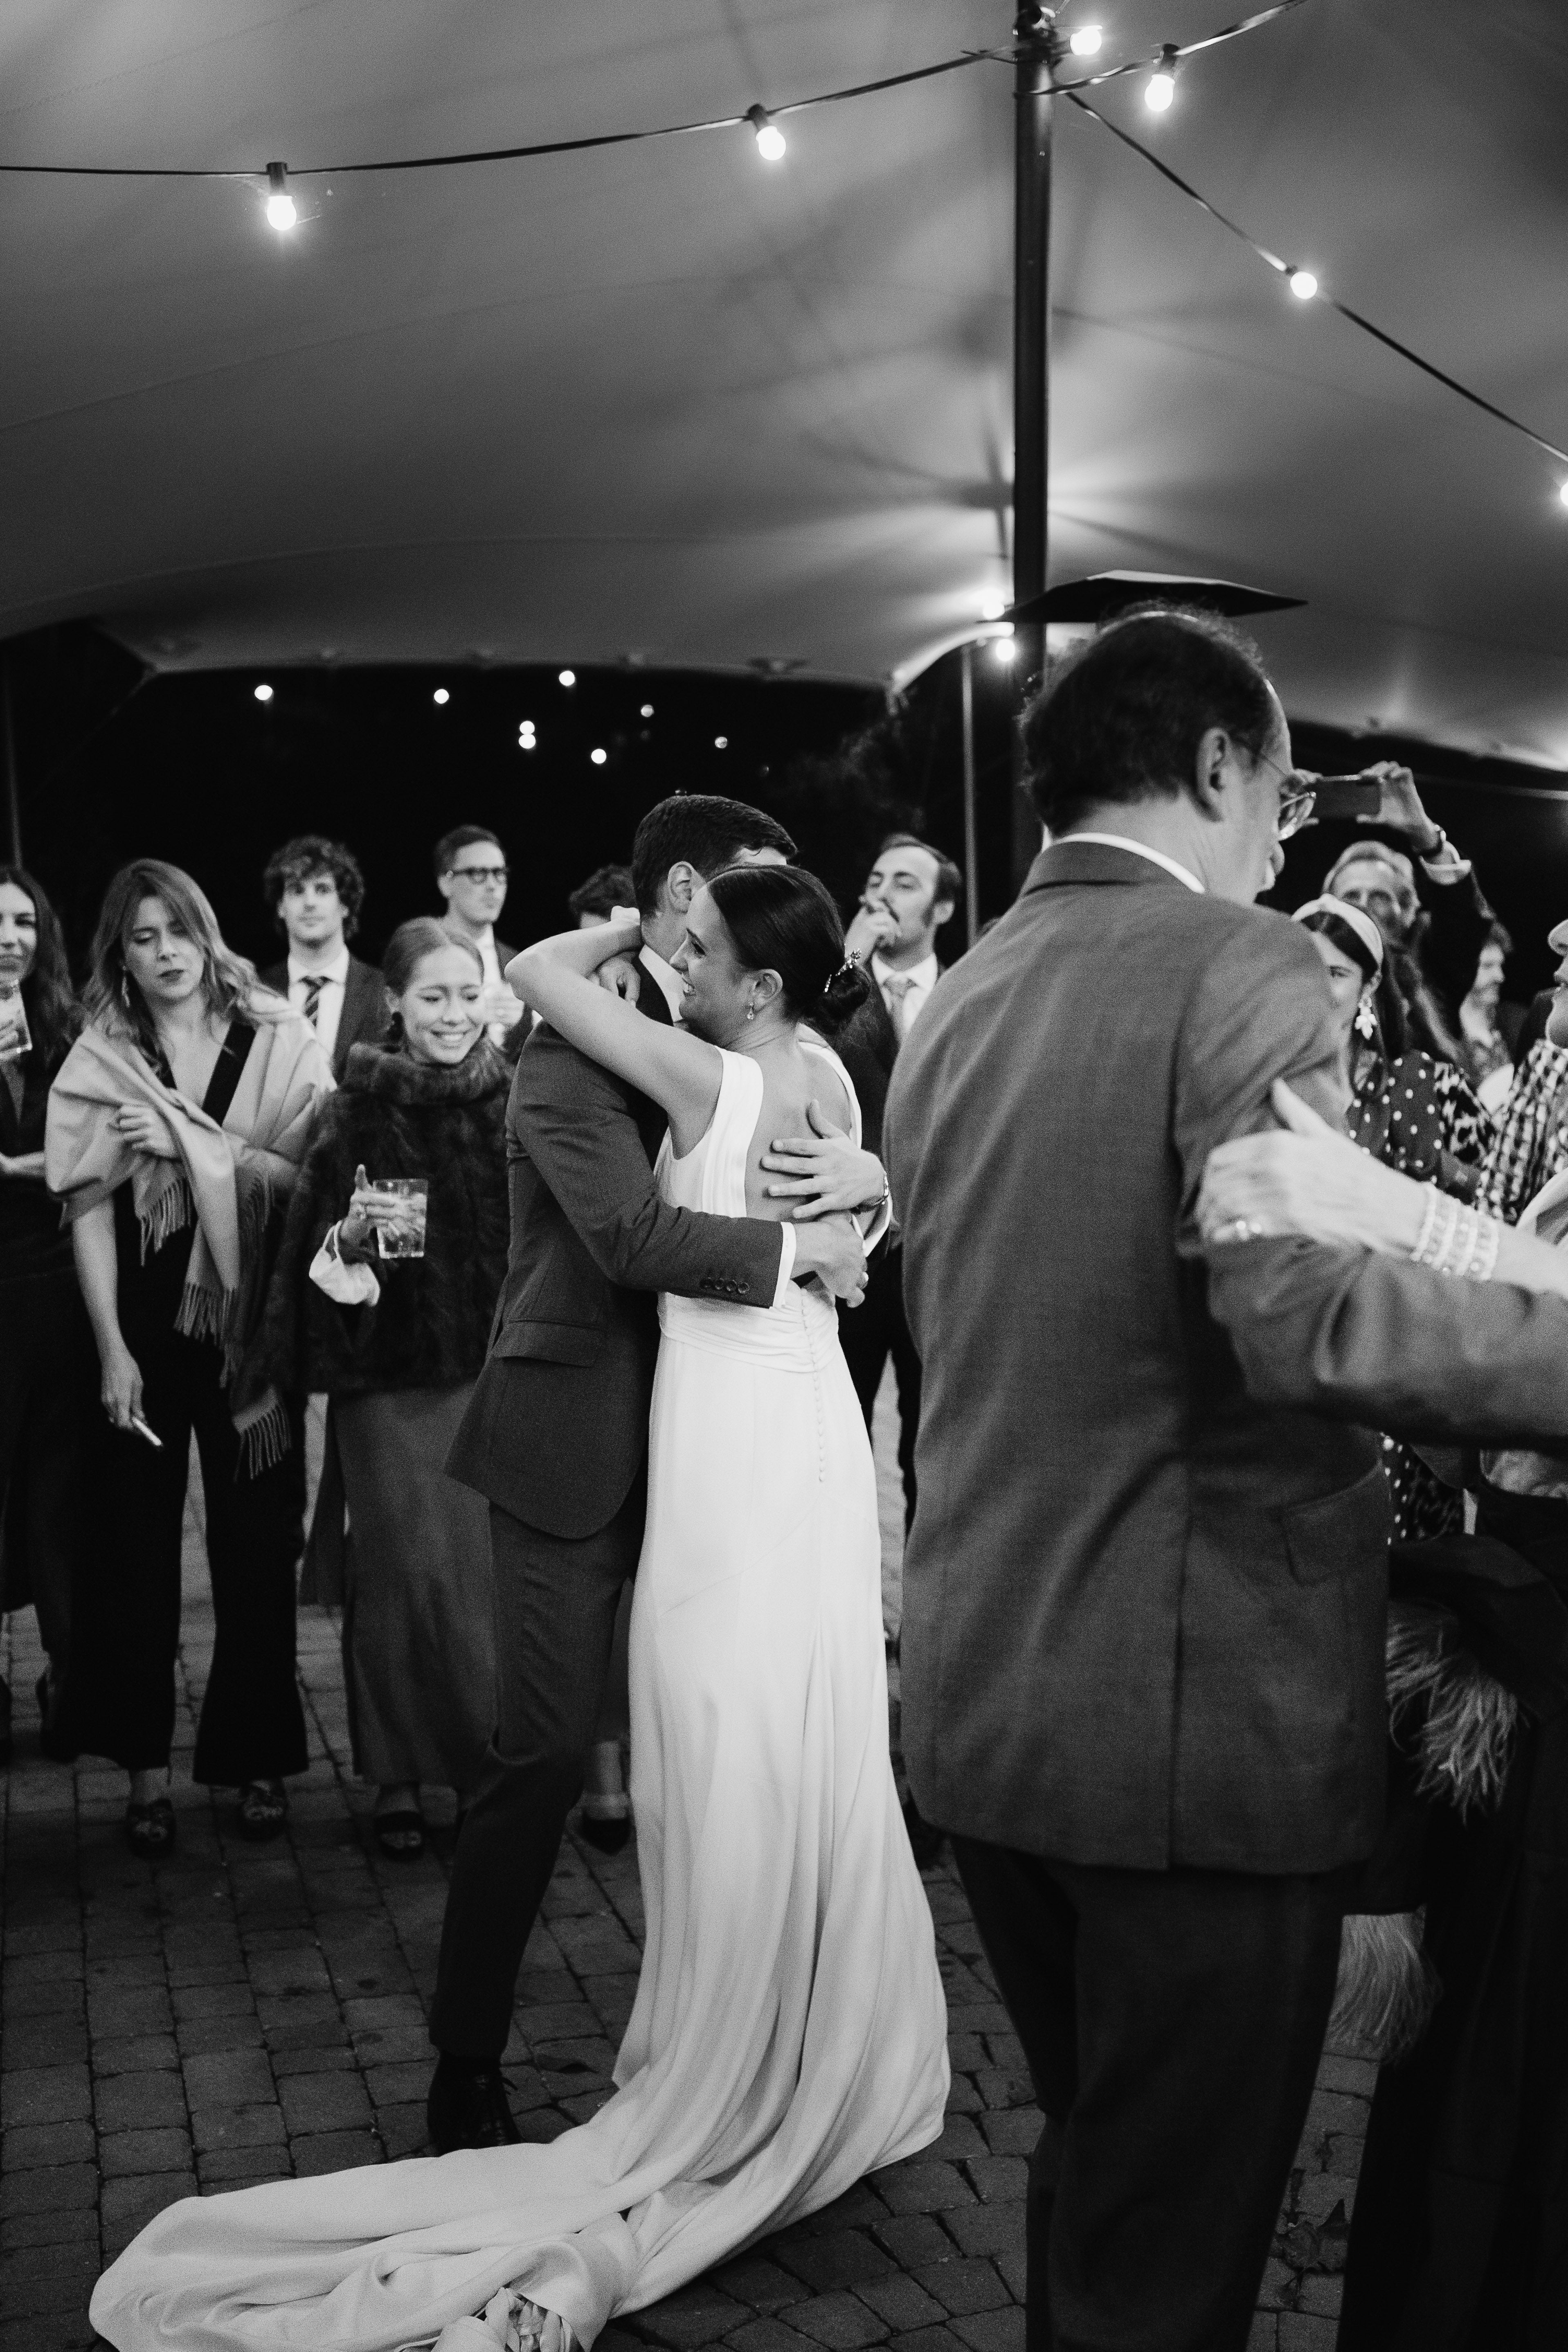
{"x":672,"y":986}
{"x":1138,"y":849}
{"x":337,"y":970}
{"x":921,"y":976}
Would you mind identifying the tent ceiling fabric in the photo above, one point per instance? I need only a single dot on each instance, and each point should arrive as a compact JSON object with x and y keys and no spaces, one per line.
{"x":668,"y":403}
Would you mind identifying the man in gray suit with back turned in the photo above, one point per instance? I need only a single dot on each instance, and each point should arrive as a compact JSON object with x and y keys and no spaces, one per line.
{"x":1146,"y":1586}
{"x":556,"y":1437}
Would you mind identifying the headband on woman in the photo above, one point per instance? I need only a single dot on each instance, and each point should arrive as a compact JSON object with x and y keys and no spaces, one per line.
{"x":1349,"y":929}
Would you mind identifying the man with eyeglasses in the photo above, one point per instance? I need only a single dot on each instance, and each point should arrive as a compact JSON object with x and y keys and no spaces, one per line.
{"x":1145,"y":1593}
{"x":471,"y":874}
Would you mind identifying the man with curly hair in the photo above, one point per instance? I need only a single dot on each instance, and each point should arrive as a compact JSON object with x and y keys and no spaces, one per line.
{"x":315,"y":890}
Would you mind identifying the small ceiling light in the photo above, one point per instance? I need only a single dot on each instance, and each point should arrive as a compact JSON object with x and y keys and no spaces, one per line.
{"x":720,"y":742}
{"x":770,"y":138}
{"x":281,"y":212}
{"x":1002,"y":650}
{"x":526,"y":739}
{"x":598,"y":757}
{"x":264,"y":693}
{"x":1303,"y":285}
{"x":441,"y":697}
{"x":647,"y":710}
{"x":1085,"y":42}
{"x":993,"y":609}
{"x":1160,"y":88}
{"x":568,"y":677}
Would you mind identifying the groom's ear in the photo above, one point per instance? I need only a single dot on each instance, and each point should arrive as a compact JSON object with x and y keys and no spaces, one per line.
{"x":681,"y":885}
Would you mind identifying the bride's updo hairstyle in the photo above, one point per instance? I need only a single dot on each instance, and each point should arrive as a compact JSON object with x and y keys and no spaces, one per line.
{"x":783,"y":920}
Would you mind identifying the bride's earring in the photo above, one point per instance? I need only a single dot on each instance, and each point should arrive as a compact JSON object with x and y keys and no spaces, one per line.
{"x":125,"y":990}
{"x":750,"y":1011}
{"x":1366,"y":1018}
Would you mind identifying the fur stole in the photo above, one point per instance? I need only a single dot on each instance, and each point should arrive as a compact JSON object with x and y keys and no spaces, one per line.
{"x":1458,"y":1725}
{"x":430,"y":1326}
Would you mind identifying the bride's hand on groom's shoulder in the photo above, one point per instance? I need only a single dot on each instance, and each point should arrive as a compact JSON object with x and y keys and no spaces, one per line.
{"x":827,"y":1171}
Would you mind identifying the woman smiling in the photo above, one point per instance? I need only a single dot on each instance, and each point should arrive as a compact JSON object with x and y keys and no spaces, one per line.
{"x":389,"y":1316}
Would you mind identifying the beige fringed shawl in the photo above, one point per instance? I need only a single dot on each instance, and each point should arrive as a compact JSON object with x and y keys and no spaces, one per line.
{"x":229,"y":1178}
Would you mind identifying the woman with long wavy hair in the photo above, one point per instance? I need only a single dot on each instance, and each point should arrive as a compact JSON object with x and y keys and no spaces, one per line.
{"x":46,"y":1365}
{"x":175,"y":1131}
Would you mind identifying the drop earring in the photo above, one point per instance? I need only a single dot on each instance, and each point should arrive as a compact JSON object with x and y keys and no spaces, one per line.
{"x":125,"y":990}
{"x":1366,"y":1018}
{"x":750,"y":1011}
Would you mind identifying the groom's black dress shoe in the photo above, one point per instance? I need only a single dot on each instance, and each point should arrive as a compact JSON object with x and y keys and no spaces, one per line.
{"x":466,"y":2106}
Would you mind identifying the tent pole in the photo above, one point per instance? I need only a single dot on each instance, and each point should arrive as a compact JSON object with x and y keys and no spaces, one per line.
{"x":13,"y":781}
{"x":1034,"y":82}
{"x":971,"y":823}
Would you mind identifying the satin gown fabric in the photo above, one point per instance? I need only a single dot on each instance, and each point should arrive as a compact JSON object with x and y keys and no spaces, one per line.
{"x":789,"y":2030}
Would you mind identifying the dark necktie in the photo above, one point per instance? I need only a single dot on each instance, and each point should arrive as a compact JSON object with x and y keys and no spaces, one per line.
{"x":314,"y":983}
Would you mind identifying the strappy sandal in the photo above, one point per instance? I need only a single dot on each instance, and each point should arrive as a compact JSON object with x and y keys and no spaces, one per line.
{"x":263,"y":1810}
{"x":149,"y":1829}
{"x":400,"y":1834}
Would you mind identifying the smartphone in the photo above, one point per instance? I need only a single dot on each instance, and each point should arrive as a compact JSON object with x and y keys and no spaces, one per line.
{"x":1342,"y":796}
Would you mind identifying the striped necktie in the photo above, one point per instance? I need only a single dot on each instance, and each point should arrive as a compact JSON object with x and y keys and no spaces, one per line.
{"x":314,"y":983}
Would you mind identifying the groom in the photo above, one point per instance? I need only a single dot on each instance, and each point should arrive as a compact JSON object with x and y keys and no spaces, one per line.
{"x":556,"y":1437}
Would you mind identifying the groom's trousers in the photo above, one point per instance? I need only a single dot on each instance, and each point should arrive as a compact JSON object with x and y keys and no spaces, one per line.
{"x":555,"y":1603}
{"x":1173,"y":2023}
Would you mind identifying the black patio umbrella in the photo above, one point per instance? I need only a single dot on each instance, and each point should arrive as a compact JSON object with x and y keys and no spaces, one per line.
{"x":1105,"y":594}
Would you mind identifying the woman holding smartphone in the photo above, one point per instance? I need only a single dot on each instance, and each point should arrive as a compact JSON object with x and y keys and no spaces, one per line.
{"x":175,"y":1129}
{"x":389,"y":1311}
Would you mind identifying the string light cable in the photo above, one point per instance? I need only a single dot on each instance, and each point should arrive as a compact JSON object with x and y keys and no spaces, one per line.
{"x":760,"y":119}
{"x":1304,"y":284}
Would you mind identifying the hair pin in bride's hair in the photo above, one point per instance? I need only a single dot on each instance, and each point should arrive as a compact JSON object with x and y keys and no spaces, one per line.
{"x":851,"y":963}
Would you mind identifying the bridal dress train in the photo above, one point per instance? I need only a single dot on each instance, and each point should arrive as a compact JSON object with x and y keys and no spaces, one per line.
{"x":788,"y":2034}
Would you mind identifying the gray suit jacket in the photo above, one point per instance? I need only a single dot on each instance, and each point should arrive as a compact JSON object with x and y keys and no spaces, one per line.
{"x":1145,"y":1593}
{"x":557,"y":1427}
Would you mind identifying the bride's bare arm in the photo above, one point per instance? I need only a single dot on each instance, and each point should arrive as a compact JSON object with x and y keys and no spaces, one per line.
{"x":1305,"y":1179}
{"x":556,"y":977}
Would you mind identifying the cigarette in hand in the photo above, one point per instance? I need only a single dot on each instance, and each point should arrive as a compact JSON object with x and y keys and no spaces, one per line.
{"x":144,"y":1430}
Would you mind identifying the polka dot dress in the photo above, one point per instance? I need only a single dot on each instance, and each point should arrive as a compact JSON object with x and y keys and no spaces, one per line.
{"x":1420,"y":1116}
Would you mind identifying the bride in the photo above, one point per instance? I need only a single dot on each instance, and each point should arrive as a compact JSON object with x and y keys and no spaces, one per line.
{"x":788,"y":2034}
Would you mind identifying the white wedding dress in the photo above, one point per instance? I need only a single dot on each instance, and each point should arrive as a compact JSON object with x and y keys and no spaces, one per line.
{"x":789,"y":2033}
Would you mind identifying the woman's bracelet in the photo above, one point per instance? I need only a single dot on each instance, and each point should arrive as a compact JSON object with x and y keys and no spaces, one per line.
{"x":1456,"y":1240}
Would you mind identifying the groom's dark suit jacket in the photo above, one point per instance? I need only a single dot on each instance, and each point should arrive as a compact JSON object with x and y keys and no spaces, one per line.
{"x":557,"y":1427}
{"x":1145,"y":1593}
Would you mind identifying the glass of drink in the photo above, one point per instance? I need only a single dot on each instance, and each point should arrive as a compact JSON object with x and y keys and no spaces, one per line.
{"x":15,"y":1037}
{"x":402,"y":1235}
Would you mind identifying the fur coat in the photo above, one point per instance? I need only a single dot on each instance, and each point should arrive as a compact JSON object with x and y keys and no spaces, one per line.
{"x":430,"y":1326}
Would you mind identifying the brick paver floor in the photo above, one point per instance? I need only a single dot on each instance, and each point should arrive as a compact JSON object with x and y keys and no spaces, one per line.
{"x":241,"y":2014}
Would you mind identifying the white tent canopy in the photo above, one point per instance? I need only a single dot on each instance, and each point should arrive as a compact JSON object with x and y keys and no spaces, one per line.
{"x":670,"y":402}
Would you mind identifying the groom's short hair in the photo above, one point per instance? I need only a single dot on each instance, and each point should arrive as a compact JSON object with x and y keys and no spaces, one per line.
{"x":698,"y":829}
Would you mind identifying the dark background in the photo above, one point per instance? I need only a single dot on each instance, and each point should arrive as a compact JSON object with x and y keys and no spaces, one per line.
{"x":111,"y":762}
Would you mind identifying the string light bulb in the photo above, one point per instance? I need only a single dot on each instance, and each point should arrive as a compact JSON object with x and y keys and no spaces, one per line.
{"x":992,"y":609}
{"x":770,"y":138}
{"x":263,"y":693}
{"x":1303,"y":285}
{"x":1160,"y":90}
{"x":1002,"y":648}
{"x":440,"y":697}
{"x":1563,"y":492}
{"x":568,"y":677}
{"x":526,"y":739}
{"x":281,"y":211}
{"x":598,"y":757}
{"x":1085,"y":42}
